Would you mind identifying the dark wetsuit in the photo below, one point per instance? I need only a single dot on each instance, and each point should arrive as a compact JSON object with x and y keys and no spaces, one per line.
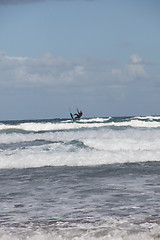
{"x":78,"y":115}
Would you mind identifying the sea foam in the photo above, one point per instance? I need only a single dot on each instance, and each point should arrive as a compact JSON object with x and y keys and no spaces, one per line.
{"x":85,"y":143}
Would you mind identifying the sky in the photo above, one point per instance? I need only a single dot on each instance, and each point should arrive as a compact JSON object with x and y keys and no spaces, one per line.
{"x":101,"y":56}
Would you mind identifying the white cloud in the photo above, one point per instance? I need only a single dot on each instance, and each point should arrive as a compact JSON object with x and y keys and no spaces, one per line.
{"x":86,"y":80}
{"x":135,"y":58}
{"x":136,"y":70}
{"x":48,"y":70}
{"x":57,"y":73}
{"x":43,"y":71}
{"x":137,"y":67}
{"x":133,"y":71}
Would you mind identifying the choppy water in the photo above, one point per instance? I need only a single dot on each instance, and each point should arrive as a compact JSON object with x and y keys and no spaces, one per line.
{"x":94,"y":179}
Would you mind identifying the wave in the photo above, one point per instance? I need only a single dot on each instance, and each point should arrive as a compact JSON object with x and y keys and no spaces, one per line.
{"x":93,"y":120}
{"x":151,"y":118}
{"x":26,"y":144}
{"x":110,"y":228}
{"x":93,"y":141}
{"x":27,"y":159}
{"x":136,"y":122}
{"x":83,"y":148}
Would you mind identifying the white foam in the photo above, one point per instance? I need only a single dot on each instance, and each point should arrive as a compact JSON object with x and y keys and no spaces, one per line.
{"x":49,"y":126}
{"x":135,"y":124}
{"x":91,"y":147}
{"x":148,"y":117}
{"x":36,"y":127}
{"x":19,"y":137}
{"x":110,"y":229}
{"x":95,"y":120}
{"x":92,"y":143}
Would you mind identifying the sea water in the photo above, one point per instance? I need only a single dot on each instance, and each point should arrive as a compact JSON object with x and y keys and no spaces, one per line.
{"x":93,"y":179}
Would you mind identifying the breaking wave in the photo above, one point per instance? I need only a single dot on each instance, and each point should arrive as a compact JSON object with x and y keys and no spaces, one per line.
{"x":88,"y":142}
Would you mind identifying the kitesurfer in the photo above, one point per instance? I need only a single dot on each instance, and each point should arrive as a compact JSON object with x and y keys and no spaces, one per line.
{"x":78,"y":114}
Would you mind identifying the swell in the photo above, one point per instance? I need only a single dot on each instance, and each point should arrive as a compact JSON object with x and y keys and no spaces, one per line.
{"x":26,"y":144}
{"x":67,"y":125}
{"x":85,"y":143}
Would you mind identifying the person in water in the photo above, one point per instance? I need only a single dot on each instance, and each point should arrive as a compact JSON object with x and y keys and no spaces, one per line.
{"x":78,"y":115}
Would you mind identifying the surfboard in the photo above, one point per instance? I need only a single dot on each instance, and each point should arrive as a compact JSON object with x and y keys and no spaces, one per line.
{"x":73,"y":120}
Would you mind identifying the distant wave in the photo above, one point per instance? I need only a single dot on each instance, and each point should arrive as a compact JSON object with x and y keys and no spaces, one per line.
{"x":136,"y":122}
{"x":93,"y":120}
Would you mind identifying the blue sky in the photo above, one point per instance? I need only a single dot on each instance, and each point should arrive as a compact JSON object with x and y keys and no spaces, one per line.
{"x":99,"y":55}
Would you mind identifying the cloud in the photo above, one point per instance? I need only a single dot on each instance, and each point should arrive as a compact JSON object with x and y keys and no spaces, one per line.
{"x":135,"y":58}
{"x":137,"y":66}
{"x":43,"y":71}
{"x":134,"y":70}
{"x":50,"y":71}
{"x":57,"y":73}
{"x":90,"y":81}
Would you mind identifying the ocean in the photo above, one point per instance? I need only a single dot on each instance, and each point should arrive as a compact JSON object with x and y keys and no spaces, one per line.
{"x":98,"y":178}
